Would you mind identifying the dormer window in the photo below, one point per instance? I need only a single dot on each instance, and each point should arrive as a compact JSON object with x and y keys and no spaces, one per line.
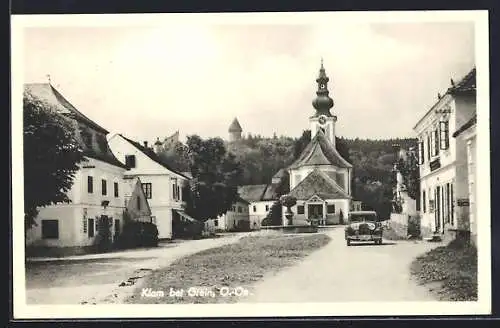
{"x":130,"y":161}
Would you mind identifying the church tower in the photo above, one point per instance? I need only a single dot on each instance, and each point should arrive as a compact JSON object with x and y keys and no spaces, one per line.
{"x":322,"y":118}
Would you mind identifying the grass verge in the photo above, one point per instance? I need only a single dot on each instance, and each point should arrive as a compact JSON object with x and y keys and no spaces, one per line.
{"x":452,"y":268}
{"x":227,"y":269}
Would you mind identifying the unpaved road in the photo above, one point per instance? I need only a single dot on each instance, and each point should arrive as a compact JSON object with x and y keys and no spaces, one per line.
{"x":95,"y":279}
{"x":341,"y":273}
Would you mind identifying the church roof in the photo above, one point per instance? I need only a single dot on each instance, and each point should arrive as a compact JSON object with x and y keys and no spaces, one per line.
{"x":235,"y":126}
{"x":320,"y":184}
{"x":320,"y":151}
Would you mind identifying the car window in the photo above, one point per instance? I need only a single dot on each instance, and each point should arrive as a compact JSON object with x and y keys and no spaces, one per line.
{"x":365,"y":217}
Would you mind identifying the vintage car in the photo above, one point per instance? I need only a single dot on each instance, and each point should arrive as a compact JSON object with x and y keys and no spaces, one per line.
{"x":363,"y":226}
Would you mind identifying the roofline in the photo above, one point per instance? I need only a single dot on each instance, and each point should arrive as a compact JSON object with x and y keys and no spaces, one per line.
{"x":467,"y":125}
{"x":446,"y":95}
{"x":163,"y":165}
{"x":449,"y":92}
{"x":86,"y":119}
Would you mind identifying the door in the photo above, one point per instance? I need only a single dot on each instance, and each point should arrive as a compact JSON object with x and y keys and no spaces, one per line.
{"x":315,"y":211}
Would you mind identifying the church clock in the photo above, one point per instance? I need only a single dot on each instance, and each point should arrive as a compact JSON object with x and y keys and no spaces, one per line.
{"x":322,"y":120}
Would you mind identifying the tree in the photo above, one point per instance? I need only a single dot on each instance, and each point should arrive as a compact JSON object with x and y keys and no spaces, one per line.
{"x":216,"y":176}
{"x":51,"y":157}
{"x":301,"y":143}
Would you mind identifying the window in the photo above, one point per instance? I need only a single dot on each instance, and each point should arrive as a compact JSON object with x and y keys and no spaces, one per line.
{"x":239,"y":209}
{"x":138,"y":200}
{"x":233,"y":208}
{"x":84,"y":222}
{"x":255,"y":208}
{"x":216,"y":223}
{"x":50,"y":229}
{"x":117,"y":227}
{"x":421,"y":155}
{"x":267,"y":208}
{"x":424,"y":205}
{"x":300,"y":209}
{"x":428,"y":147}
{"x":452,"y":213}
{"x":130,"y":161}
{"x":104,"y":188}
{"x":146,"y":187}
{"x":435,"y":143}
{"x":330,"y":208}
{"x":174,"y":192}
{"x":444,"y":135}
{"x":116,"y":189}
{"x":90,"y":184}
{"x":91,"y":229}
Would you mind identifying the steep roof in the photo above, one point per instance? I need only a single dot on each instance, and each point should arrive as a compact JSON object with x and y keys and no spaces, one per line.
{"x":152,"y":155}
{"x":235,"y":126}
{"x":320,"y":151}
{"x":467,"y":125}
{"x":466,"y":84}
{"x":318,"y":183}
{"x":46,"y":92}
{"x":252,"y":193}
{"x":49,"y":95}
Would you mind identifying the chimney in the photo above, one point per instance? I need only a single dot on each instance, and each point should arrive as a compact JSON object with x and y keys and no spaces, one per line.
{"x":145,"y":144}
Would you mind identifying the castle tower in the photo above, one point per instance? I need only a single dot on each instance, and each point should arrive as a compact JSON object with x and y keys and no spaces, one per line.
{"x":322,"y":118}
{"x":235,"y":130}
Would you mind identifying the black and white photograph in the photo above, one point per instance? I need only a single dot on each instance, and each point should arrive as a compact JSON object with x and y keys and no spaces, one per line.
{"x":251,"y":164}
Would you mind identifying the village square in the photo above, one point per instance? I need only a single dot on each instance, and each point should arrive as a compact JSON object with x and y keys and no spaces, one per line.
{"x":245,"y":218}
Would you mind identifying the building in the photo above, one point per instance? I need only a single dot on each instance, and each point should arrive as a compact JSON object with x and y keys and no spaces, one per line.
{"x":235,"y":130}
{"x":167,"y":143}
{"x":235,"y":219}
{"x":443,"y":160}
{"x":404,"y":208}
{"x":261,"y":197}
{"x":467,"y":133}
{"x":136,"y":204}
{"x":161,"y":184}
{"x":97,"y":198}
{"x":320,"y":178}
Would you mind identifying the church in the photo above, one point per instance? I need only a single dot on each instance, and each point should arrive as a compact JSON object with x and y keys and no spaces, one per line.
{"x":320,"y":178}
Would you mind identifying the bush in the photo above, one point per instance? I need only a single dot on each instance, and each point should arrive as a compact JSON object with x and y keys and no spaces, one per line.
{"x":138,"y":234}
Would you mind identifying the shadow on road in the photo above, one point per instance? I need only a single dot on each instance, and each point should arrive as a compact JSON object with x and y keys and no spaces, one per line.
{"x":385,"y":243}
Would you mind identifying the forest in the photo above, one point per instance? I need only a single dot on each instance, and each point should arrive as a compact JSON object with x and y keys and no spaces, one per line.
{"x":261,"y":157}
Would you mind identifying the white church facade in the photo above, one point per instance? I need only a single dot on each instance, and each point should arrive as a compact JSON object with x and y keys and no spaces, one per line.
{"x":320,"y":178}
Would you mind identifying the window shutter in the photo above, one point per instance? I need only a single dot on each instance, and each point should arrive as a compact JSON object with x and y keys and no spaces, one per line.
{"x":436,"y":142}
{"x":444,"y":135}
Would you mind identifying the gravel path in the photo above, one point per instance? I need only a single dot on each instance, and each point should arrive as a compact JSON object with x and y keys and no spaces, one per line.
{"x":338,"y":273}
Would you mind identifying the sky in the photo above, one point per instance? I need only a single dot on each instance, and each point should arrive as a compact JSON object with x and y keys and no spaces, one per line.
{"x":150,"y":81}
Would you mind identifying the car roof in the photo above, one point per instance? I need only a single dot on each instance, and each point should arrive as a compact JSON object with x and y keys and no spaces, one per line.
{"x":362,"y":212}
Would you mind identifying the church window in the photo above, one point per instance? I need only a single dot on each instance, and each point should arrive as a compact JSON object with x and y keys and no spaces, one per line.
{"x":330,"y":209}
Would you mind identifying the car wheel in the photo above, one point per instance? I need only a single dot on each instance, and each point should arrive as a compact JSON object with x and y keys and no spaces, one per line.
{"x":348,"y":242}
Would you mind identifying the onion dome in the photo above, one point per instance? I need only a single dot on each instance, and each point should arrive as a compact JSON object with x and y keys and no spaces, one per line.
{"x":322,"y":103}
